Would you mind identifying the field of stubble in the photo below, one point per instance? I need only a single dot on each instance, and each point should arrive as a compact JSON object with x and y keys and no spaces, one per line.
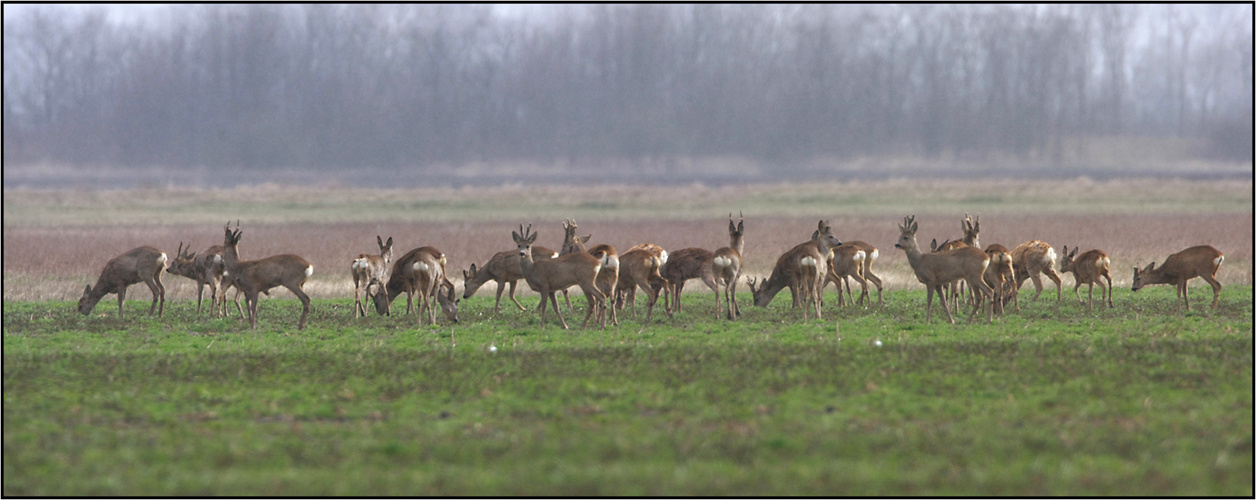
{"x":56,"y":241}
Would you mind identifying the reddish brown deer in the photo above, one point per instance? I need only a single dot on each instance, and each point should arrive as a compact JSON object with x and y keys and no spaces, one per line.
{"x":870,"y":256}
{"x":683,"y":265}
{"x":141,"y":264}
{"x":420,"y":271}
{"x":726,"y":267}
{"x":1031,"y":258}
{"x":253,"y":277}
{"x":370,"y":270}
{"x":607,"y":277}
{"x":1000,"y":276}
{"x":639,"y":268}
{"x":549,"y":276}
{"x":206,"y":268}
{"x":1201,"y":261}
{"x":801,"y":269}
{"x":1088,"y":268}
{"x":846,"y":261}
{"x":937,"y":269}
{"x":502,"y":268}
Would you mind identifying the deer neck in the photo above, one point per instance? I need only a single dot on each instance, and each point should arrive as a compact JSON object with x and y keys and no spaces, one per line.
{"x":737,"y":243}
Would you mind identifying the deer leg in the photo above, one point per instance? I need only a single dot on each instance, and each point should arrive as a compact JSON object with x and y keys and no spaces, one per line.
{"x":1050,"y":272}
{"x":501,"y":287}
{"x":1077,"y":286}
{"x":949,"y":316}
{"x":1183,"y":289}
{"x":567,"y":299}
{"x":512,"y":296}
{"x":1216,"y":289}
{"x":1037,"y":285}
{"x":553,"y":297}
{"x":305,"y":304}
{"x":876,"y":281}
{"x":736,"y":308}
{"x":121,"y":297}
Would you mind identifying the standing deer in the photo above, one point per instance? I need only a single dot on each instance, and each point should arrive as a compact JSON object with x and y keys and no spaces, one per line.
{"x":726,"y":266}
{"x":1000,"y":276}
{"x":937,"y":269}
{"x":870,"y":256}
{"x":1088,"y":268}
{"x":421,"y":271}
{"x":607,"y":277}
{"x":549,"y":276}
{"x":502,"y":268}
{"x":1030,"y":259}
{"x":370,"y":270}
{"x":138,"y":264}
{"x":206,"y":268}
{"x":639,"y":268}
{"x":683,"y":265}
{"x":801,"y":269}
{"x":846,"y":261}
{"x":1202,"y":261}
{"x":253,"y":277}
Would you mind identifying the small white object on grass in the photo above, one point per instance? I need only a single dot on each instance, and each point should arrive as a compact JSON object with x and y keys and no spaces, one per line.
{"x":877,"y":343}
{"x":492,"y":348}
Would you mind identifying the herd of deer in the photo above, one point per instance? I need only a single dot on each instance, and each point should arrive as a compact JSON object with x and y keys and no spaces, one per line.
{"x":609,"y":280}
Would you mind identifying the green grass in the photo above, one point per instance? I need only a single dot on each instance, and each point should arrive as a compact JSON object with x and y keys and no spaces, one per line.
{"x":1133,"y":401}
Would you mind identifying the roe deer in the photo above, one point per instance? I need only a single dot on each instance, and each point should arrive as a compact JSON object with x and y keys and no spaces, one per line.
{"x":502,"y":268}
{"x":1201,"y":261}
{"x":726,"y":267}
{"x":1031,"y":258}
{"x":801,"y":269}
{"x":937,"y":269}
{"x":607,"y":277}
{"x":870,"y":256}
{"x":253,"y":277}
{"x":639,"y":268}
{"x":206,"y":268}
{"x":1000,"y":276}
{"x":846,"y":261}
{"x":138,"y":264}
{"x":370,"y":270}
{"x":683,"y":265}
{"x":421,"y":271}
{"x":1088,"y":268}
{"x":549,"y":276}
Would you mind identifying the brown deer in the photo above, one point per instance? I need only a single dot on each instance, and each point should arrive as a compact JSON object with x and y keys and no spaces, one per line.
{"x":726,"y":266}
{"x":370,"y":270}
{"x":1000,"y":276}
{"x":1031,"y":258}
{"x":1202,"y":261}
{"x":502,"y":268}
{"x":870,"y":256}
{"x":421,"y":271}
{"x":141,"y":264}
{"x":253,"y":277}
{"x":206,"y":268}
{"x":683,"y":265}
{"x":937,"y":269}
{"x":607,"y":277}
{"x":549,"y":276}
{"x":639,"y":268}
{"x":801,"y":269}
{"x":1088,"y":268}
{"x":846,"y":261}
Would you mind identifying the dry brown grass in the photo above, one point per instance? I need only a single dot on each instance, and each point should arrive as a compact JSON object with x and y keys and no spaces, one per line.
{"x":53,"y":263}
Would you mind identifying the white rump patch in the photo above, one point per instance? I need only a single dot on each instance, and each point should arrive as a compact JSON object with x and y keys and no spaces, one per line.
{"x":722,"y":261}
{"x":610,"y":261}
{"x":1217,"y":261}
{"x":218,"y":258}
{"x":808,"y":261}
{"x":359,"y":263}
{"x":875,"y":254}
{"x":161,"y":259}
{"x":309,"y":271}
{"x":420,"y":267}
{"x":663,"y":258}
{"x":555,"y":256}
{"x":1051,"y":255}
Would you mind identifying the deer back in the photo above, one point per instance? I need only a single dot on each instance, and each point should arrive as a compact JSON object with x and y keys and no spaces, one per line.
{"x":1202,"y":260}
{"x":133,"y":266}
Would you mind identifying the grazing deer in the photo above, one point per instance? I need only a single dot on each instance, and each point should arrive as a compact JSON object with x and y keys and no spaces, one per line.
{"x":1000,"y":276}
{"x":639,"y":267}
{"x":846,"y":261}
{"x":206,"y":268}
{"x":726,"y":266}
{"x":370,"y":270}
{"x":626,"y":286}
{"x":421,"y":271}
{"x":801,"y":269}
{"x":870,"y":256}
{"x":1202,"y":261}
{"x":138,"y":264}
{"x":503,"y":268}
{"x":937,"y":269}
{"x":1088,"y":268}
{"x":253,"y":277}
{"x":683,"y":265}
{"x":549,"y":276}
{"x":1031,"y":258}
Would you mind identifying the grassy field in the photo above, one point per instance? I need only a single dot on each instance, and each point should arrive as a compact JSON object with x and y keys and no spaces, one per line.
{"x":1140,"y":400}
{"x":1133,"y":401}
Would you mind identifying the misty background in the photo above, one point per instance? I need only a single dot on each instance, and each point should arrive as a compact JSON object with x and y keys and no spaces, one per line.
{"x":408,"y":95}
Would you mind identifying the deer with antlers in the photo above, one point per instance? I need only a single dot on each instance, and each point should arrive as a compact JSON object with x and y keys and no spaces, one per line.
{"x":370,"y":271}
{"x":206,"y":268}
{"x":801,"y":269}
{"x":549,"y":276}
{"x":726,"y":267}
{"x":1199,"y":261}
{"x":937,"y":269}
{"x":1087,"y":268}
{"x":141,"y":264}
{"x":252,"y":277}
{"x":502,"y":268}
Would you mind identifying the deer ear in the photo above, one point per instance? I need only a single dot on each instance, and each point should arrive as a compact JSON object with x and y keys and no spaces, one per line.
{"x":586,"y":238}
{"x":741,"y":226}
{"x":88,"y":290}
{"x":389,"y":242}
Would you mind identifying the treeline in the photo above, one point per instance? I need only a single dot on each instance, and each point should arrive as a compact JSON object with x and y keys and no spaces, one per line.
{"x":326,"y":85}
